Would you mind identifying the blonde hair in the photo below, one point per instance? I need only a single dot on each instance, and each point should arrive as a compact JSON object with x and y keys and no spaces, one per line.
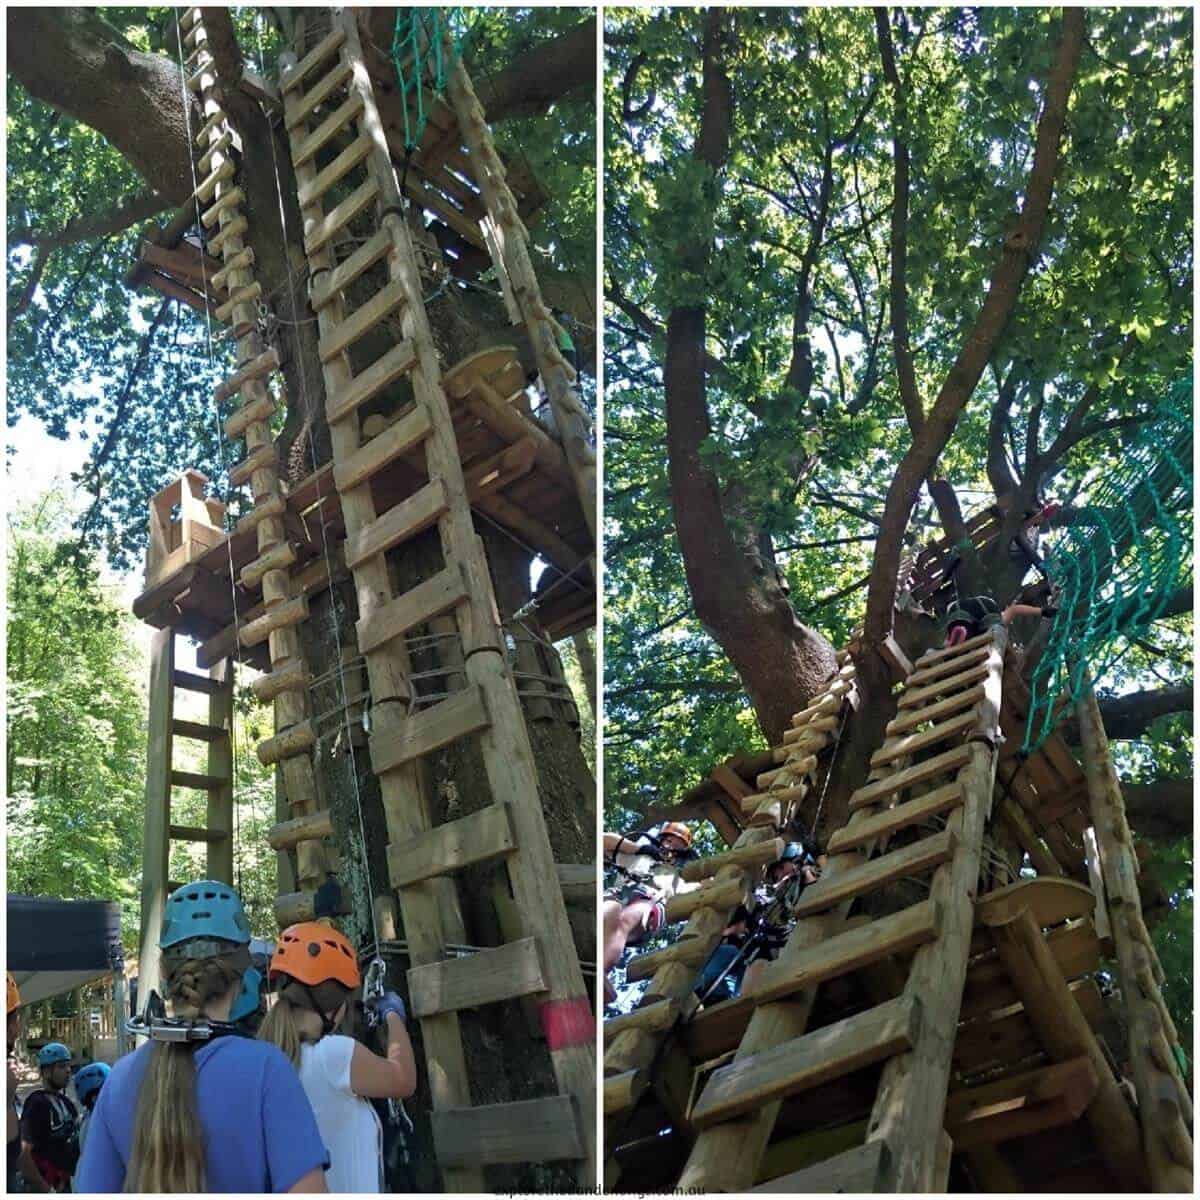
{"x":167,"y":1154}
{"x":281,"y":1026}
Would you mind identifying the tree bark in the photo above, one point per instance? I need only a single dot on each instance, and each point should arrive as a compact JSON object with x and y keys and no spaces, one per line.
{"x":1162,"y":808}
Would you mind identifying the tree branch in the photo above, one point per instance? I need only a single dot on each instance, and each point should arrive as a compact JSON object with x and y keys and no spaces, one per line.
{"x":85,"y":227}
{"x":1127,"y":717}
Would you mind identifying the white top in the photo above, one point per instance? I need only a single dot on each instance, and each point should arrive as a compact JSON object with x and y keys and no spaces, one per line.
{"x":349,"y":1125}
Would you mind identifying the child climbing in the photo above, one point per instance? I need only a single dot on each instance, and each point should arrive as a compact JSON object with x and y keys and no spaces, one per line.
{"x":647,"y":865}
{"x":317,"y":972}
{"x":50,"y":1125}
{"x":971,"y":617}
{"x":198,"y":1108}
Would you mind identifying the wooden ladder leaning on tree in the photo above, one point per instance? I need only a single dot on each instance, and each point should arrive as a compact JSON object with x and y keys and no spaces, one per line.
{"x":952,"y":697}
{"x":543,"y":964}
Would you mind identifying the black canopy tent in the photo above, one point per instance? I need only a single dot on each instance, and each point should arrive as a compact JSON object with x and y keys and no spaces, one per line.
{"x":57,"y":945}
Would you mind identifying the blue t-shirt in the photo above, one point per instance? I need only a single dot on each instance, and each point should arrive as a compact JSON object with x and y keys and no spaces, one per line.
{"x":260,"y":1134}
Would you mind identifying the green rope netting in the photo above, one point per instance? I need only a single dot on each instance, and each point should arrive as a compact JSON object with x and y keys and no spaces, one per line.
{"x":1127,"y":549}
{"x":423,"y":55}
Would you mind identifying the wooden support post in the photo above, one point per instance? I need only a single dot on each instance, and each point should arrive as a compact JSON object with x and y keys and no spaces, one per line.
{"x":220,"y":764}
{"x":1164,"y":1108}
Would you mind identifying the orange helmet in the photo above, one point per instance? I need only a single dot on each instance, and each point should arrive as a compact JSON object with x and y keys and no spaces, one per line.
{"x":312,"y":953}
{"x":14,"y":993}
{"x":680,"y":830}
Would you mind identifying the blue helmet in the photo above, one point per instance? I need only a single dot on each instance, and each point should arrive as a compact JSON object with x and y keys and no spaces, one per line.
{"x":90,"y":1079}
{"x":250,"y":997}
{"x":53,"y":1052}
{"x":204,"y":910}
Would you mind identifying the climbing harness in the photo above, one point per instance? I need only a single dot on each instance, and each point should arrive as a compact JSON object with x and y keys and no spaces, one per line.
{"x":153,"y":1022}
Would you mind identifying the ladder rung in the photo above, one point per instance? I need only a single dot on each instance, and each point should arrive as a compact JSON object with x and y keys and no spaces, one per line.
{"x":198,"y":730}
{"x":521,"y":1131}
{"x":327,"y":285}
{"x":291,"y":677}
{"x":341,"y":215}
{"x":201,"y":783}
{"x":243,"y":295}
{"x":653,"y":1018}
{"x":290,"y":612}
{"x":318,"y":94}
{"x":384,"y":370}
{"x":196,"y":833}
{"x":753,"y":1081}
{"x":856,"y":1171}
{"x":195,"y":683}
{"x":891,"y":820}
{"x":209,"y":126}
{"x":278,"y":558}
{"x":324,"y":179}
{"x":913,"y":742}
{"x":725,"y":895}
{"x":880,"y":789}
{"x":298,"y":739}
{"x":936,"y":655}
{"x":264,"y":458}
{"x":446,"y":721}
{"x":410,"y":517}
{"x":917,"y":696}
{"x":485,"y":977}
{"x":362,"y":320}
{"x":293,"y":907}
{"x":230,"y":199}
{"x":327,"y":131}
{"x":691,"y":951}
{"x":754,"y":855}
{"x":950,"y":667}
{"x":914,"y":859}
{"x":846,"y":952}
{"x":270,"y":506}
{"x":478,"y":837}
{"x":396,"y":440}
{"x":235,"y":228}
{"x":257,"y":410}
{"x":209,"y":184}
{"x":622,"y":1091}
{"x":435,"y":596}
{"x":318,"y":54}
{"x":309,"y":828}
{"x":256,"y":368}
{"x":243,"y":258}
{"x":952,"y":704}
{"x":222,"y":143}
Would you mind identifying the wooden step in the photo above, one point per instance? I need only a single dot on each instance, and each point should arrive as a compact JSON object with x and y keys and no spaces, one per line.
{"x":244,"y":295}
{"x":918,"y":716}
{"x":243,"y":258}
{"x":293,"y":907}
{"x":200,"y":783}
{"x":209,"y":126}
{"x":264,"y":510}
{"x":261,"y":409}
{"x":298,"y":739}
{"x":362,"y":320}
{"x":435,"y":596}
{"x":318,"y":94}
{"x":755,"y":855}
{"x":326,"y":47}
{"x":196,"y":833}
{"x":338,"y":217}
{"x":209,"y":184}
{"x":218,"y":147}
{"x":291,"y":677}
{"x":447,"y":721}
{"x":197,"y":730}
{"x":262,"y":459}
{"x":310,"y":827}
{"x":890,"y":785}
{"x":857,"y":1171}
{"x":846,"y":952}
{"x":943,"y":652}
{"x":290,"y":612}
{"x":784,"y":796}
{"x":188,"y":18}
{"x":691,"y":951}
{"x":367,"y":384}
{"x":205,"y":77}
{"x":624,"y":1090}
{"x":278,"y":558}
{"x":328,"y":284}
{"x":192,"y":682}
{"x":229,"y":199}
{"x":484,"y":977}
{"x":891,"y":820}
{"x":235,"y":228}
{"x":725,"y":896}
{"x":951,"y":666}
{"x":520,"y":1131}
{"x":478,"y":837}
{"x":328,"y":176}
{"x":751,"y":1082}
{"x":901,"y":747}
{"x":917,"y":697}
{"x":407,"y":519}
{"x":914,"y":859}
{"x":654,"y":1018}
{"x":327,"y":131}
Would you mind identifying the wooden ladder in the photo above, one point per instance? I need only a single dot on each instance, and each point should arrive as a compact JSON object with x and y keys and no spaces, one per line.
{"x":285,"y":604}
{"x":949,"y":716}
{"x":633,"y":1041}
{"x":344,"y":171}
{"x":161,"y":777}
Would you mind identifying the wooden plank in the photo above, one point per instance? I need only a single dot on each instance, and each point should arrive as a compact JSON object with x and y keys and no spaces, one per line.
{"x":577,"y":881}
{"x":916,"y":697}
{"x":748,"y":1083}
{"x":192,"y":779}
{"x":345,"y":162}
{"x":462,"y":714}
{"x":890,"y":785}
{"x":197,"y":730}
{"x":951,"y":667}
{"x":655,"y":1018}
{"x":952,"y":704}
{"x":281,"y":616}
{"x":522,"y":1131}
{"x":192,"y":682}
{"x":690,"y":951}
{"x":384,"y":370}
{"x":476,"y":838}
{"x":196,"y":833}
{"x":725,"y":895}
{"x":439,"y":594}
{"x":341,"y":215}
{"x":915,"y":742}
{"x":328,"y":45}
{"x":362,"y":320}
{"x":622,"y":1091}
{"x":754,"y":855}
{"x":1050,"y":901}
{"x":327,"y":131}
{"x":407,"y":519}
{"x":317,"y":95}
{"x":885,"y":823}
{"x":939,"y":654}
{"x":484,"y":977}
{"x":329,"y":283}
{"x":856,"y":1171}
{"x":914,"y":859}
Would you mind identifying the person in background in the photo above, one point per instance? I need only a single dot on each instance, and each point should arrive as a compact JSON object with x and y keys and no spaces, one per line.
{"x":198,"y":1108}
{"x":50,"y":1125}
{"x":88,"y":1082}
{"x":14,"y":1119}
{"x":316,"y":971}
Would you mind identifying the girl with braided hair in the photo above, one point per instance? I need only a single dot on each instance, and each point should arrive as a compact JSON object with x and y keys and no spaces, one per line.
{"x":198,"y":1108}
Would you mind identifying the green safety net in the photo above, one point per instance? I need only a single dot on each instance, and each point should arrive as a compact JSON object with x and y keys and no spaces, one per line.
{"x":425,"y":45}
{"x":1127,"y":549}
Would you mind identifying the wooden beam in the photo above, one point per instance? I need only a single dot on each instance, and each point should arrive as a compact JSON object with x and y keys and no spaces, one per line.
{"x":484,"y":977}
{"x":522,"y":1131}
{"x":854,"y":1171}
